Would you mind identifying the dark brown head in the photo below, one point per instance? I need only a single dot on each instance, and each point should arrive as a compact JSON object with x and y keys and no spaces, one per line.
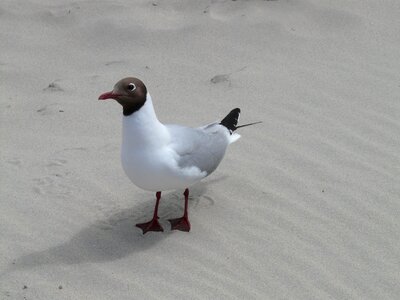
{"x":130,"y":92}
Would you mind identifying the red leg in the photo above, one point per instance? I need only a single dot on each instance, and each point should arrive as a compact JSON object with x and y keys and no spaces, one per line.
{"x":182,"y":223}
{"x":153,"y":224}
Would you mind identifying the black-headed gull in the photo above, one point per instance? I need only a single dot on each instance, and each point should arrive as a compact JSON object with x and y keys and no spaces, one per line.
{"x":158,"y":157}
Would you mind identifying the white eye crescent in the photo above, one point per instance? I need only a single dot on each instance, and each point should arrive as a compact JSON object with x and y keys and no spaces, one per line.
{"x":131,"y":87}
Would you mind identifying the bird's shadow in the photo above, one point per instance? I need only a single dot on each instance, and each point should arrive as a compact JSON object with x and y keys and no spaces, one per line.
{"x":116,"y":236}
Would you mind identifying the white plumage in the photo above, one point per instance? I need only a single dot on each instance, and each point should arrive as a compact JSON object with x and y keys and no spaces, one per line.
{"x":158,"y":157}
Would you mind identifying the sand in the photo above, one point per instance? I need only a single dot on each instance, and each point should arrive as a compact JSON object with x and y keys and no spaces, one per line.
{"x":304,"y":206}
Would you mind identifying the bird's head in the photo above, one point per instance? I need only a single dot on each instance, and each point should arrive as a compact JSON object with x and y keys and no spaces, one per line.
{"x":130,"y":92}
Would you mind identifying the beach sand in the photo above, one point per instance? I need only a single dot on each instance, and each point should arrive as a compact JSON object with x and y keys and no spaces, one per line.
{"x":305,"y":205}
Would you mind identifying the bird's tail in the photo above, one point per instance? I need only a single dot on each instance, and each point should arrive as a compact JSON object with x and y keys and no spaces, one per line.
{"x":231,"y":120}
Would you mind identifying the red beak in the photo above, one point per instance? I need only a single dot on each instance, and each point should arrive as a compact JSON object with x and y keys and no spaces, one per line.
{"x":108,"y":95}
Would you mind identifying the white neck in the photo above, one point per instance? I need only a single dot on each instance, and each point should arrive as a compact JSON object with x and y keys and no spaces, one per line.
{"x":143,"y":128}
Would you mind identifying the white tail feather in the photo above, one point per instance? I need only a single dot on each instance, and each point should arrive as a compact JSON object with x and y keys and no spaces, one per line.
{"x":234,"y":137}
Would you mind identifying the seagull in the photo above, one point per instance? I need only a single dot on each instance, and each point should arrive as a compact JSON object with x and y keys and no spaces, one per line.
{"x":159,"y":157}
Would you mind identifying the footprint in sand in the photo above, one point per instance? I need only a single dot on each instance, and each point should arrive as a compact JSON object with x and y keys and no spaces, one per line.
{"x":57,"y":162}
{"x":114,"y":62}
{"x":54,"y":183}
{"x":53,"y":87}
{"x":202,"y":202}
{"x":45,"y":110}
{"x":220,"y":78}
{"x":51,"y":185}
{"x":225,"y":77}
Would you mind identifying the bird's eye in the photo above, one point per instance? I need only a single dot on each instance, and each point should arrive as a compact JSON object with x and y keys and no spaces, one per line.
{"x":131,"y":87}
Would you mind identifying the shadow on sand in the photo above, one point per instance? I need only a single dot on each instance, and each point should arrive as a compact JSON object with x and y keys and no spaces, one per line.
{"x":116,"y":237}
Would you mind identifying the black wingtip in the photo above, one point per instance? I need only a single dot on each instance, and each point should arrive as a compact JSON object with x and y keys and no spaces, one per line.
{"x":231,"y":119}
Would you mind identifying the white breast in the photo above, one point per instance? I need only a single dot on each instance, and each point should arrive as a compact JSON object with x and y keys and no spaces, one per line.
{"x":146,"y":157}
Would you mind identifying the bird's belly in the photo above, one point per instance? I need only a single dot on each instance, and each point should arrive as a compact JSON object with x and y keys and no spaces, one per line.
{"x":153,"y":171}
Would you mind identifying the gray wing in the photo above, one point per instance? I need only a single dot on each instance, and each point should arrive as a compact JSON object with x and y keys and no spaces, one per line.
{"x":202,"y":147}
